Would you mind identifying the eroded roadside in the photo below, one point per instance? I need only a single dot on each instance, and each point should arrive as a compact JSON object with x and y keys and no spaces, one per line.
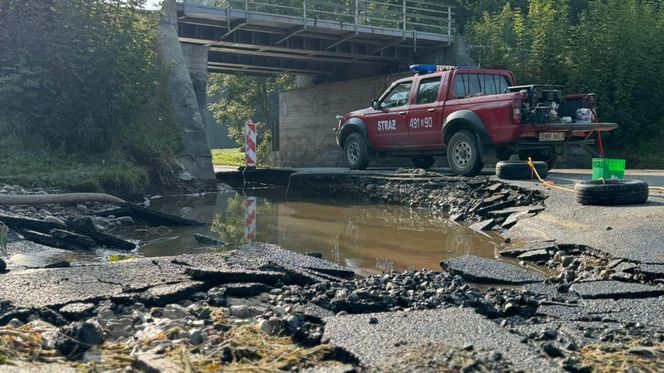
{"x":273,"y":309}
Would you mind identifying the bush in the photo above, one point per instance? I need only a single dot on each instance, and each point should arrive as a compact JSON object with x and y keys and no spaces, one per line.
{"x":613,"y":48}
{"x":80,"y":79}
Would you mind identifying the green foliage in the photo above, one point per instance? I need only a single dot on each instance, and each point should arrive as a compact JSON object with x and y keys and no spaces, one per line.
{"x":80,"y":78}
{"x":108,"y":172}
{"x":228,"y":157}
{"x":611,"y":47}
{"x":237,"y":98}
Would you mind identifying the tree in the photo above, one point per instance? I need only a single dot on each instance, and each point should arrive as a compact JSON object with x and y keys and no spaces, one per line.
{"x":238,"y":98}
{"x":613,"y":48}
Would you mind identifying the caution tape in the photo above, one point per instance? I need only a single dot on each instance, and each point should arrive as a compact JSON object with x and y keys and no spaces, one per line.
{"x":548,"y":184}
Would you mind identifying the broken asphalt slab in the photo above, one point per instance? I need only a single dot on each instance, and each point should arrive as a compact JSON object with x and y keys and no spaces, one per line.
{"x":644,"y":311}
{"x":56,"y":287}
{"x":549,"y":246}
{"x":376,"y":339}
{"x":161,"y":279}
{"x":262,"y":255}
{"x":481,"y":270}
{"x":615,"y":290}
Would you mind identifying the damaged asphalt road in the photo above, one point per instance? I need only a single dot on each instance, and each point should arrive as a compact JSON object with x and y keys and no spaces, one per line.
{"x":563,"y":307}
{"x":383,"y":322}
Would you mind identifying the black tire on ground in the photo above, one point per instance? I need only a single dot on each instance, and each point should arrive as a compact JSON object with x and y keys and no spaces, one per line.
{"x":356,"y":151}
{"x":424,"y":162}
{"x":611,"y":192}
{"x":463,"y":154}
{"x":551,"y":162}
{"x":519,"y":170}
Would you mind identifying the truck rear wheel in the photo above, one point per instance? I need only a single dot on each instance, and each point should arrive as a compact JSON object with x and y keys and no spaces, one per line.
{"x":423,"y":162}
{"x":356,"y":152}
{"x":463,"y":154}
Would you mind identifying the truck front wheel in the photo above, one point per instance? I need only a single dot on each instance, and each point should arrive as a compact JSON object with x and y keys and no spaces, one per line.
{"x":356,"y":152}
{"x":463,"y":154}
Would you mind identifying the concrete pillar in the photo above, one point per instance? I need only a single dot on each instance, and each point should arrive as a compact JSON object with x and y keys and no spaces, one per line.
{"x":196,"y":57}
{"x":195,"y":160}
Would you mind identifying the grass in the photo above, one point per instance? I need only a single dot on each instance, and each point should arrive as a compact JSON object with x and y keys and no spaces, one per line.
{"x":250,"y":350}
{"x":109,"y":173}
{"x":607,"y":359}
{"x":228,"y":157}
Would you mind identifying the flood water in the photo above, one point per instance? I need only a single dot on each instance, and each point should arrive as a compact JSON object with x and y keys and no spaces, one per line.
{"x":368,"y":238}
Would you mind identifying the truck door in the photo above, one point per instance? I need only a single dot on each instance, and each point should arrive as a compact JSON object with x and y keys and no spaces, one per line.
{"x":387,"y":127}
{"x":424,"y":116}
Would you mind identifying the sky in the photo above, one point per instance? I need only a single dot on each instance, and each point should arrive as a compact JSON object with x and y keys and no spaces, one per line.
{"x":152,"y":4}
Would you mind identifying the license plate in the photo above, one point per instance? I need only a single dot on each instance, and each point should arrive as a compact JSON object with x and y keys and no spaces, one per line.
{"x":552,"y":136}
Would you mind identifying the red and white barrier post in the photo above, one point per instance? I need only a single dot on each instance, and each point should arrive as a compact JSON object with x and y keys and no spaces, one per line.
{"x":250,"y":144}
{"x":250,"y":219}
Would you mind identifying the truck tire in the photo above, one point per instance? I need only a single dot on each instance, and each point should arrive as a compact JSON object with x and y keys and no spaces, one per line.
{"x":611,"y":192}
{"x":423,"y":162}
{"x":519,"y":170}
{"x":356,"y":151}
{"x":551,"y":162}
{"x":463,"y":154}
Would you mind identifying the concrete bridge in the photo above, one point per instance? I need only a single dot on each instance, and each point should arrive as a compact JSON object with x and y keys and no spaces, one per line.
{"x":327,"y":44}
{"x":319,"y":37}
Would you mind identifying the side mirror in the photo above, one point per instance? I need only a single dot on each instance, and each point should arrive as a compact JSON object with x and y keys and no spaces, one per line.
{"x":375,"y":104}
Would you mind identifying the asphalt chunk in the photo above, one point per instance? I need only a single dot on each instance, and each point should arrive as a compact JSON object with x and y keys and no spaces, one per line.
{"x":535,"y":255}
{"x":266,"y":255}
{"x":645,"y":311}
{"x":475,"y":269}
{"x":615,"y":290}
{"x":549,"y":246}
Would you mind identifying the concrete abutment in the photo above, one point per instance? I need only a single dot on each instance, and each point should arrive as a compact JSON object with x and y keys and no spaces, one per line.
{"x":188,"y":98}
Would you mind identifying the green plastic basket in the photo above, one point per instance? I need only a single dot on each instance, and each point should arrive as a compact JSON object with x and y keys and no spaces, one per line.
{"x":608,"y":169}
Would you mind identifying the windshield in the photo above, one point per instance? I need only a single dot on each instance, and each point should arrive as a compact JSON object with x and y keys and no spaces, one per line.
{"x":397,"y":96}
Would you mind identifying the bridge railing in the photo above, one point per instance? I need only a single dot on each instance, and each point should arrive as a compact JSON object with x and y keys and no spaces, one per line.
{"x":405,"y":15}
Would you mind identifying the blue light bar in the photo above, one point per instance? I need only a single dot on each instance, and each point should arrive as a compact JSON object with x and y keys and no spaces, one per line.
{"x":423,"y":69}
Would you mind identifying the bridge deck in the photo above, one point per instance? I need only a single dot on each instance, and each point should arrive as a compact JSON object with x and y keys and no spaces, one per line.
{"x":262,"y":38}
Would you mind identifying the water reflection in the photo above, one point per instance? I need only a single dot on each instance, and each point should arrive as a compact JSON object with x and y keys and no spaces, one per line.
{"x":370,"y":238}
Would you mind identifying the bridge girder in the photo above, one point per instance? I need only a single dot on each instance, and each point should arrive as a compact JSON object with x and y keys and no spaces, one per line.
{"x":259,"y":43}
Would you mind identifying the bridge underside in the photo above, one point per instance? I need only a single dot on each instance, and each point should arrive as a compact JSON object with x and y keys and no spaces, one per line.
{"x":260,"y":43}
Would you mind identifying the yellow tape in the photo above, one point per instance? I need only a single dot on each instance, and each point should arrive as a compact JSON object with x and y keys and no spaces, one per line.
{"x":548,"y":184}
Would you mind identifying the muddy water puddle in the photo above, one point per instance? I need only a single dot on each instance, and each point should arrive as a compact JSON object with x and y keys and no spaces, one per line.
{"x":368,"y":238}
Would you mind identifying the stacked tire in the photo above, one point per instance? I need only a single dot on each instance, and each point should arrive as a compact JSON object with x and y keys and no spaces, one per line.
{"x":611,"y":192}
{"x":520,"y":170}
